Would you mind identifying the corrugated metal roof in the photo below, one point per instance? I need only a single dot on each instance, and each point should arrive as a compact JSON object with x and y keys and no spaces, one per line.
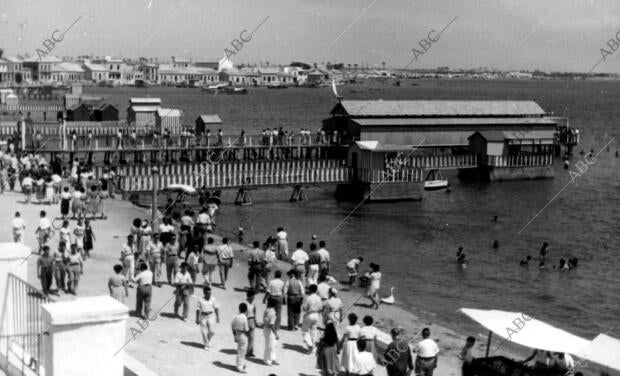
{"x":211,"y":119}
{"x":423,"y":139}
{"x":144,"y":101}
{"x":517,"y":134}
{"x":465,"y":121}
{"x":439,"y":108}
{"x":168,"y":112}
{"x":145,"y":109}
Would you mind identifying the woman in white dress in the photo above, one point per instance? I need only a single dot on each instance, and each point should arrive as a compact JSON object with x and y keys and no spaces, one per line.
{"x":374,"y":278}
{"x":282,"y":244}
{"x":348,"y":345}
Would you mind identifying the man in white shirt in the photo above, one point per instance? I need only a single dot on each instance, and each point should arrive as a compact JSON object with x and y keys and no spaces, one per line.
{"x":19,"y":226}
{"x":27,"y":187}
{"x":299,"y":260}
{"x":184,"y":286}
{"x":44,"y":229}
{"x":311,"y":308}
{"x":365,"y":360}
{"x":207,"y":314}
{"x":426,"y":350}
{"x":240,"y":329}
{"x":144,"y":292}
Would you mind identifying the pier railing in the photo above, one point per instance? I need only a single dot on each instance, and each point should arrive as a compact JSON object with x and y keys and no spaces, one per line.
{"x":435,"y":161}
{"x":25,"y":108}
{"x":522,"y":160}
{"x":235,"y":174}
{"x":387,"y":176}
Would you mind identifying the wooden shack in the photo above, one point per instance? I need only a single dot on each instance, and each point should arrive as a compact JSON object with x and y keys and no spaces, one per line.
{"x":79,"y":112}
{"x":168,"y":119}
{"x":204,"y":122}
{"x":106,"y":112}
{"x":142,"y":111}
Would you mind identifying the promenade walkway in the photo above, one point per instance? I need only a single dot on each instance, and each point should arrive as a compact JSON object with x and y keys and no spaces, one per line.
{"x":170,"y":346}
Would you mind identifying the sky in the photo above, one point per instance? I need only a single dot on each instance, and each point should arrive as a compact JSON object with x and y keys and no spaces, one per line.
{"x":550,"y":35}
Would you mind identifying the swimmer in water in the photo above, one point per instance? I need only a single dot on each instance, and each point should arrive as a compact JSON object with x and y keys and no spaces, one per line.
{"x":544,"y":252}
{"x":563,"y":265}
{"x":495,"y":244}
{"x":495,"y":219}
{"x":526,"y":262}
{"x":460,"y":258}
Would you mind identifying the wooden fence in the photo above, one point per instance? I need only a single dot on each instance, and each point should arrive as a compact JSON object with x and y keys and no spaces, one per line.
{"x":231,"y":175}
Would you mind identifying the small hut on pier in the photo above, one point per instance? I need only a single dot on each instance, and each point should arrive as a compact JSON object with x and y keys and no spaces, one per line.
{"x":79,"y":112}
{"x":203,"y":122}
{"x":168,"y":119}
{"x":106,"y":112}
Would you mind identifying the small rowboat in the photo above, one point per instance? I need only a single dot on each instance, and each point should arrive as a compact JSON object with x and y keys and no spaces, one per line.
{"x":435,"y":181}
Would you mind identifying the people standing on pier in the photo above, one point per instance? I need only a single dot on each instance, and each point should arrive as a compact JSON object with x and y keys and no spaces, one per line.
{"x":18,"y":227}
{"x":117,"y":284}
{"x":282,"y":244}
{"x":144,"y":292}
{"x":427,"y":351}
{"x":240,"y":330}
{"x":294,"y":296}
{"x":207,"y":314}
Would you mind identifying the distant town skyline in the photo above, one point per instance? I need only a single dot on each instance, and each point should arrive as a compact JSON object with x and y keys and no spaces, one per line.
{"x":553,"y":35}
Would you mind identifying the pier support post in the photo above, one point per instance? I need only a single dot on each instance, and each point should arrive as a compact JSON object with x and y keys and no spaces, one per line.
{"x":298,"y":194}
{"x":244,"y":198}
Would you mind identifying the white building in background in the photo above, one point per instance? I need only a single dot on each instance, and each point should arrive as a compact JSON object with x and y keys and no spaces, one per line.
{"x":95,"y":72}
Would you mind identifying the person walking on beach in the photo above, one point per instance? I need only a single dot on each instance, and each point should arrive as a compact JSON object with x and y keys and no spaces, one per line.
{"x":171,"y":250}
{"x":314,"y":264}
{"x":275,"y":293}
{"x":397,"y":357}
{"x":332,"y":308}
{"x":128,"y":260}
{"x":27,"y":184}
{"x":78,"y":237}
{"x":117,"y":284}
{"x":374,"y":277}
{"x":89,"y":238}
{"x":18,"y":228}
{"x":59,"y":266}
{"x":325,"y":260}
{"x":312,"y":308}
{"x":44,"y":230}
{"x":153,"y":255}
{"x":207,"y":314}
{"x":427,"y":351}
{"x":269,"y":264}
{"x":192,"y":264}
{"x":249,"y":301}
{"x":294,"y":294}
{"x":299,"y":261}
{"x":240,"y":330}
{"x":226,"y":258}
{"x":467,"y":357}
{"x":45,"y":270}
{"x":75,"y":268}
{"x":282,"y":244}
{"x":256,"y":260}
{"x":270,"y":331}
{"x":144,"y":279}
{"x":210,"y":261}
{"x":348,"y":345}
{"x":184,"y":288}
{"x":65,"y":202}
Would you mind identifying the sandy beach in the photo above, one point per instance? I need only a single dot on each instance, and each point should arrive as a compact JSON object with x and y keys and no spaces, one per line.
{"x":169,"y":346}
